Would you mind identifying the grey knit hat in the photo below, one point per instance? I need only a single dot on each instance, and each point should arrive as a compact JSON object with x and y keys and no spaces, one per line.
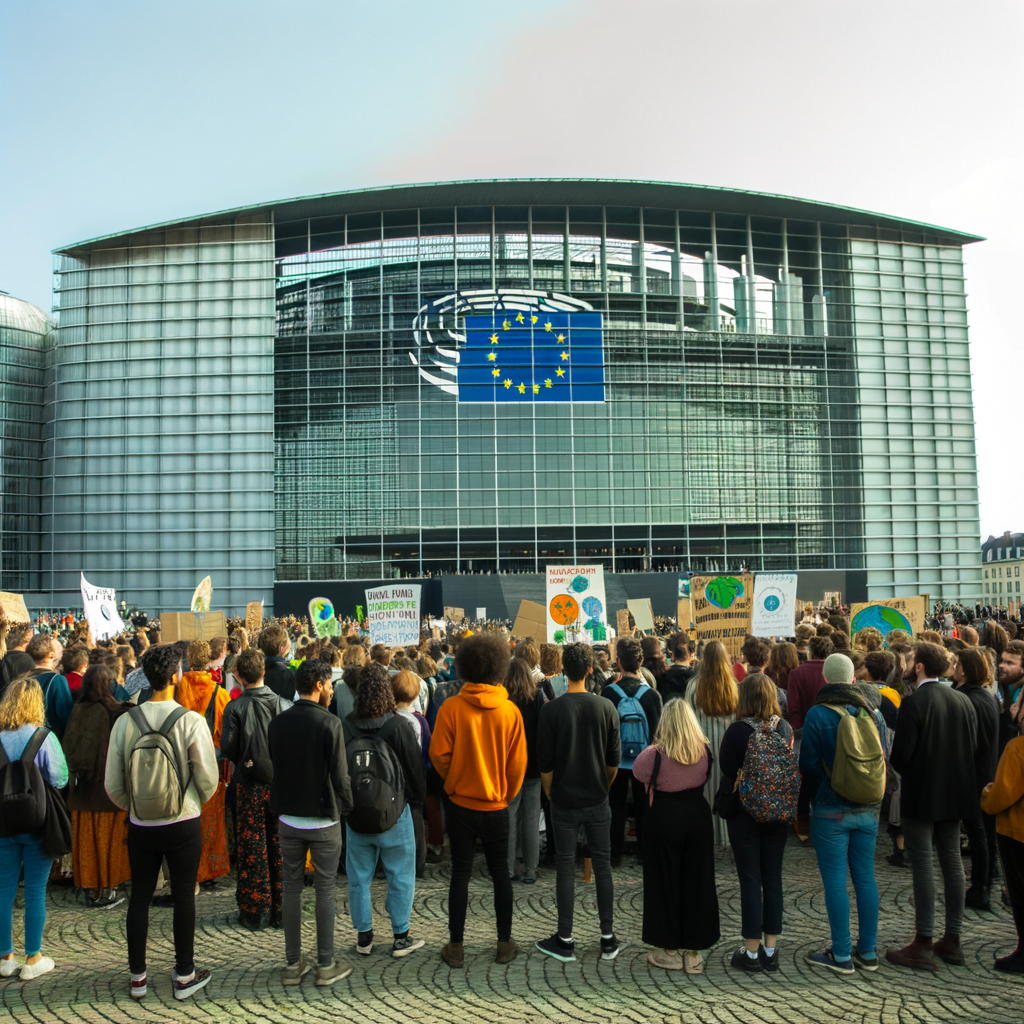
{"x":838,"y":669}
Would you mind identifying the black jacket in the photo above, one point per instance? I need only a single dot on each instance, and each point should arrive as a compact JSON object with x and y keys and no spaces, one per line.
{"x":986,"y":756}
{"x":238,"y":722}
{"x":933,"y":751}
{"x":650,"y":701}
{"x":404,"y":743}
{"x":280,"y":678}
{"x":14,"y":664}
{"x":310,"y":767}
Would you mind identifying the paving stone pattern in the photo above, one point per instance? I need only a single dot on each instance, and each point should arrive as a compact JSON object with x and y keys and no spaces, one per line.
{"x":91,"y":980}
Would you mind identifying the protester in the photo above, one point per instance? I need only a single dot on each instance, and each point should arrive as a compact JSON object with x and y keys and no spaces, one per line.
{"x":844,"y":825}
{"x":782,"y":660}
{"x":524,"y":808}
{"x":99,"y":828}
{"x":42,"y":649}
{"x":638,"y":707}
{"x":479,"y":748}
{"x":406,"y":689}
{"x":551,"y":669}
{"x":674,"y":680}
{"x":72,"y":666}
{"x":161,"y":768}
{"x":245,"y":744}
{"x":577,"y":755}
{"x":276,"y":645}
{"x":15,"y":661}
{"x":934,"y":752}
{"x":680,"y":899}
{"x":310,"y":793}
{"x":22,"y":717}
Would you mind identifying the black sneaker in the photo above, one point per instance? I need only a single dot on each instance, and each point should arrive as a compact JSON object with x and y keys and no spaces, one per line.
{"x":556,"y":947}
{"x":744,"y":962}
{"x":617,"y":861}
{"x":768,"y":963}
{"x":406,"y":945}
{"x":364,"y":942}
{"x":184,"y":989}
{"x":609,"y":948}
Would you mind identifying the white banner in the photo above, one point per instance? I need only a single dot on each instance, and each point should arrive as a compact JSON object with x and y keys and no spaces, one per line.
{"x":101,"y":611}
{"x":774,"y":604}
{"x":576,"y":602}
{"x":394,"y":614}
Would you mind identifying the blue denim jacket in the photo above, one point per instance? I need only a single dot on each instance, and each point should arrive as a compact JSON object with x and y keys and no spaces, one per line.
{"x":819,"y":742}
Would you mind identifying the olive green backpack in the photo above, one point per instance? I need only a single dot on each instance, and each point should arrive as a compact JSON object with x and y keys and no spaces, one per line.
{"x":858,"y":771}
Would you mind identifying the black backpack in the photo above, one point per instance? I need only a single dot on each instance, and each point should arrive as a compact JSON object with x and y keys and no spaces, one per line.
{"x":22,"y":790}
{"x":378,"y":782}
{"x":255,"y":763}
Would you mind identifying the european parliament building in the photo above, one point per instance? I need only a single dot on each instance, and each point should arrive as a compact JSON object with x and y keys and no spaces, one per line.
{"x":491,"y":376}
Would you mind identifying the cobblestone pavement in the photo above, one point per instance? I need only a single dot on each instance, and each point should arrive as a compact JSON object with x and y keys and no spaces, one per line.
{"x":91,"y":979}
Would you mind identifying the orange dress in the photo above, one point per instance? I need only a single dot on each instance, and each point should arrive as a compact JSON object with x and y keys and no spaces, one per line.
{"x":196,"y":692}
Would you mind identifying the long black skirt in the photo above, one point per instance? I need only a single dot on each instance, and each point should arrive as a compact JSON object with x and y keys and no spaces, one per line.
{"x":680,"y":899}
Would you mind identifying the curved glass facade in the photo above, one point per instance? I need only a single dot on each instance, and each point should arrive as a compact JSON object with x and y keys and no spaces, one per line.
{"x":491,"y":376}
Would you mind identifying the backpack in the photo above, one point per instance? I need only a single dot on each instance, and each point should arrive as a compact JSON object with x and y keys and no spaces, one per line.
{"x":156,"y":789}
{"x":634,"y":732}
{"x":22,"y":790}
{"x":255,"y":763}
{"x":858,"y":771}
{"x":771,"y":780}
{"x":378,"y":782}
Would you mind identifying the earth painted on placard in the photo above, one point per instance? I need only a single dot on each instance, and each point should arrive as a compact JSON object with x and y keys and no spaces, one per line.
{"x":882,"y":617}
{"x":579,"y":584}
{"x":723,"y":590}
{"x":564,"y":609}
{"x":324,"y":610}
{"x":772,"y":602}
{"x":105,"y":612}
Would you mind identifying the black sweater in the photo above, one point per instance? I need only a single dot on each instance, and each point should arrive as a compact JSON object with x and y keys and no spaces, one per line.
{"x":310,"y":767}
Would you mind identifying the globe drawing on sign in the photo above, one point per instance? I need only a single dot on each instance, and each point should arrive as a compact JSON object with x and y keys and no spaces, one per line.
{"x":105,"y":612}
{"x":564,"y":609}
{"x":772,"y":602}
{"x":882,"y":617}
{"x":723,"y":590}
{"x":324,"y":611}
{"x":593,"y":610}
{"x":579,"y":584}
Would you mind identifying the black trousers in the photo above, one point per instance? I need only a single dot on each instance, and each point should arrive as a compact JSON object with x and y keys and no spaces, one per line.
{"x":758,"y":850}
{"x":983,"y":856}
{"x":491,"y":828}
{"x":1011,"y":853}
{"x":182,"y":844}
{"x":617,"y":798}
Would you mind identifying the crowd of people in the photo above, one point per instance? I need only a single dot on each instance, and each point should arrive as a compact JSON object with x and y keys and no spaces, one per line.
{"x":289,"y":759}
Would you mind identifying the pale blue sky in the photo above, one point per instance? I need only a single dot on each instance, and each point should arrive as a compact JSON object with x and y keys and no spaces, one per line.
{"x":119,"y":114}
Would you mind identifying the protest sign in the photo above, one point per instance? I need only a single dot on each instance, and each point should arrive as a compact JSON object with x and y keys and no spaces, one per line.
{"x":832,"y":599}
{"x":576,"y":601}
{"x":254,"y":616}
{"x":722,"y":608}
{"x":321,"y":615}
{"x":203,"y":596}
{"x":393,"y":612}
{"x":101,"y":611}
{"x":192,"y":626}
{"x":360,"y":613}
{"x":684,"y":614}
{"x":481,"y":613}
{"x":14,"y":607}
{"x":774,"y":604}
{"x":643,"y":613}
{"x":907,"y":613}
{"x":624,"y":622}
{"x":453,"y":613}
{"x":531,"y":620}
{"x":683,"y":587}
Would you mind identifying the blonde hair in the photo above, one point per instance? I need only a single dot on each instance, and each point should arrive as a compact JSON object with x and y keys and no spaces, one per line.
{"x":679,"y":734}
{"x":199,"y":655}
{"x":715,"y":692}
{"x":22,"y":703}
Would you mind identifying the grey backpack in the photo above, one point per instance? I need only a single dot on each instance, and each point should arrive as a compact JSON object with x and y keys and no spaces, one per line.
{"x":156,"y":788}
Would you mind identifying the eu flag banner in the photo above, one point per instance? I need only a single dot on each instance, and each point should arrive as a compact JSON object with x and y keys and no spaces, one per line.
{"x":532,"y":356}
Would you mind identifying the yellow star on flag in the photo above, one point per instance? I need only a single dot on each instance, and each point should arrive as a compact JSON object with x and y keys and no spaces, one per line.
{"x":494,"y":339}
{"x":548,"y":383}
{"x":536,"y":389}
{"x":547,"y":326}
{"x":492,"y":356}
{"x":521,"y":388}
{"x":520,"y":319}
{"x":561,"y":338}
{"x":560,"y":372}
{"x":505,"y":325}
{"x":506,"y":383}
{"x":565,"y":355}
{"x":533,"y":319}
{"x":496,"y":372}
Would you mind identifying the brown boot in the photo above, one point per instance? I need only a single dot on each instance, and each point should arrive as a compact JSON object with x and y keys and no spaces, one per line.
{"x":918,"y":954}
{"x":452,"y":954}
{"x":949,"y":950}
{"x":507,"y":952}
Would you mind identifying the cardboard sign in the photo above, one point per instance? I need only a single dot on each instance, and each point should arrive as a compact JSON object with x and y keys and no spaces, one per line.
{"x":14,"y":607}
{"x":100,"y":604}
{"x":643,"y":613}
{"x":203,"y":596}
{"x":906,"y":613}
{"x":684,"y":614}
{"x":722,"y":609}
{"x":453,"y":613}
{"x":192,"y":626}
{"x":774,"y":604}
{"x":622,"y":617}
{"x":531,"y":620}
{"x":576,"y":602}
{"x":394,"y":614}
{"x":254,"y":616}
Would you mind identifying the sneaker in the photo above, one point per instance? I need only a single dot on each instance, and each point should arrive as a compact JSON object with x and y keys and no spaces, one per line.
{"x":406,"y":945}
{"x":294,"y":973}
{"x":329,"y":975}
{"x":364,"y":942}
{"x":610,"y":948}
{"x":42,"y":966}
{"x":184,"y":989}
{"x":139,"y":988}
{"x":108,"y":898}
{"x":865,"y":963}
{"x":529,"y":877}
{"x":559,"y":949}
{"x":826,"y":959}
{"x":9,"y":968}
{"x":768,"y":963}
{"x":742,"y":962}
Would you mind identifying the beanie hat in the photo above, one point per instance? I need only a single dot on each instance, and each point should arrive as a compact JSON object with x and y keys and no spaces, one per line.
{"x":838,"y":668}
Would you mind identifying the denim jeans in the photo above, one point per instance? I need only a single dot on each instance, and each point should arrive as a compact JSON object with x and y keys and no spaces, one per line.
{"x":758,"y":849}
{"x":566,"y":823}
{"x":16,"y":851}
{"x":848,"y":839}
{"x":397,"y":851}
{"x":917,"y":838}
{"x":524,"y":825}
{"x":324,"y":846}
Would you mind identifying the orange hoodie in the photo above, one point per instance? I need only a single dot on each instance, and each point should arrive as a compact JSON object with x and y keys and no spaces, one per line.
{"x":1005,"y":797}
{"x":479,"y":747}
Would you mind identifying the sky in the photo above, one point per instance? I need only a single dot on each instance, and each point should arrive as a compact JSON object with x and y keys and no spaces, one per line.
{"x":121,"y":114}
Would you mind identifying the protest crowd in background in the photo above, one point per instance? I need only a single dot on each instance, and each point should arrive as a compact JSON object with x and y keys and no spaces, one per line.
{"x":140,"y":771}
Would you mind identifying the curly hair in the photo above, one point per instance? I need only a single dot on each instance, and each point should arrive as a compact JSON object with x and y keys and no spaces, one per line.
{"x":527,"y":650}
{"x":550,"y":659}
{"x":354,"y":654}
{"x":375,"y":697}
{"x":483,"y":659}
{"x":22,"y":703}
{"x":868,"y":639}
{"x":199,"y":655}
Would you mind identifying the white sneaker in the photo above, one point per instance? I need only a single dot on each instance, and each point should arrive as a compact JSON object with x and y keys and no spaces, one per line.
{"x":31,"y":971}
{"x":9,"y":968}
